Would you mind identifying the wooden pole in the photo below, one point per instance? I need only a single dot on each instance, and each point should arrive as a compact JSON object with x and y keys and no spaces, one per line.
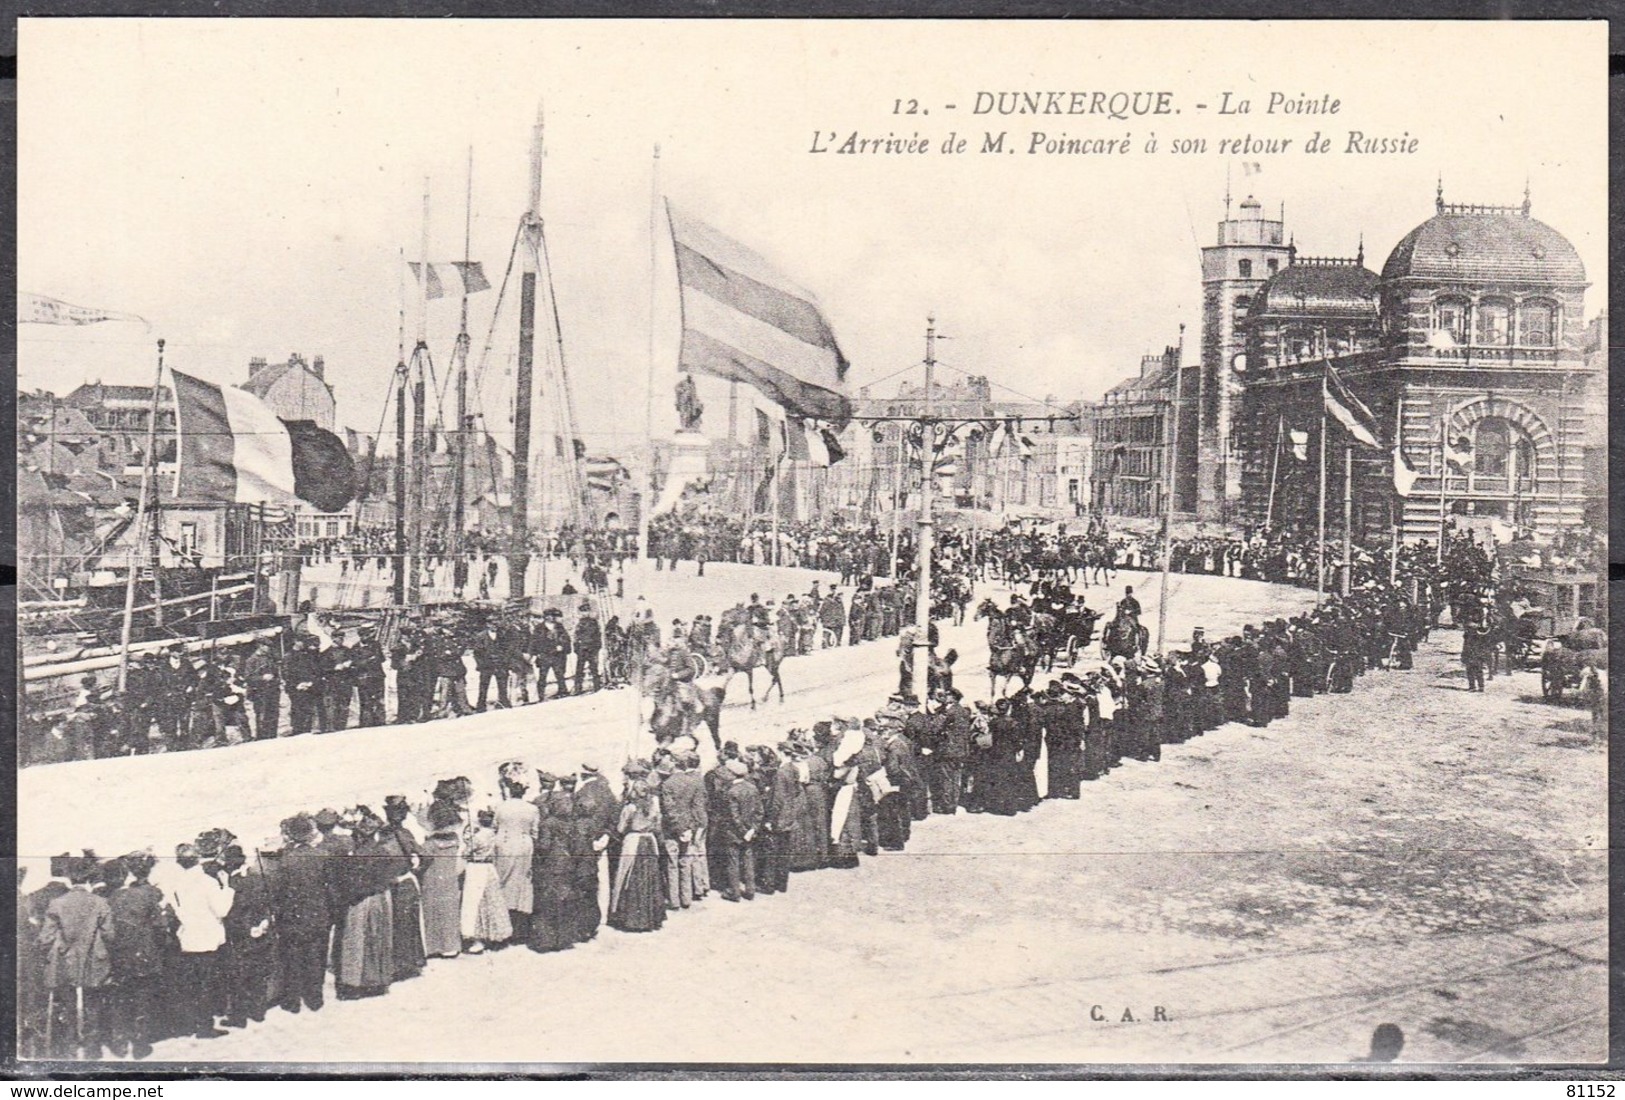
{"x":646,"y":497}
{"x":1348,"y":517}
{"x":1275,"y":469}
{"x":398,"y":580}
{"x":138,"y":529}
{"x":459,"y":438}
{"x":524,"y":376}
{"x":1444,"y":474}
{"x":1320,"y":559}
{"x":1168,"y":495}
{"x":922,"y":550}
{"x":1396,"y":507}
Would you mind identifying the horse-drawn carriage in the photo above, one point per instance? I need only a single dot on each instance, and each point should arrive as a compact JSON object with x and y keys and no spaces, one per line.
{"x":1074,"y":629}
{"x":1572,"y":661}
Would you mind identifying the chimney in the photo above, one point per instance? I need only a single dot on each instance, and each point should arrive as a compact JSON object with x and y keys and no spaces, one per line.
{"x":317,"y":366}
{"x":255,"y":365}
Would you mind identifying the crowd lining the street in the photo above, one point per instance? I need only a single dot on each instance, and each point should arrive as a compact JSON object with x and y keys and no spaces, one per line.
{"x":118,"y":954}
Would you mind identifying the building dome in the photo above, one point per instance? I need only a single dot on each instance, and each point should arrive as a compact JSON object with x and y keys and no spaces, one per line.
{"x":1310,"y":287}
{"x":1485,"y":244}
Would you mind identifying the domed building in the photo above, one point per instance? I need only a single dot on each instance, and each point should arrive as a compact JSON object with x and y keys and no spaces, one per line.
{"x":1315,"y":308}
{"x":1469,"y":342}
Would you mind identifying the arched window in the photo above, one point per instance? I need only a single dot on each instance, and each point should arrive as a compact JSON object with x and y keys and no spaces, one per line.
{"x":1450,"y":322}
{"x":1536,"y":324}
{"x":1494,"y":324}
{"x":1492,"y":449}
{"x":1502,"y":451}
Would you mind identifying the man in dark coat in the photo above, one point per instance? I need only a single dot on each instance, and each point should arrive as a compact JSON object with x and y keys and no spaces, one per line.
{"x":683,"y":818}
{"x":589,"y":641}
{"x":171,"y":687}
{"x":716,"y":783}
{"x":140,"y":932}
{"x":300,"y":900}
{"x":492,"y":658}
{"x":598,"y":812}
{"x":250,"y":954}
{"x":338,"y":686}
{"x":264,"y":684}
{"x":894,"y":810}
{"x":737,"y":837}
{"x":1062,"y":717}
{"x":302,"y":673}
{"x":77,"y":935}
{"x":552,"y":649}
{"x":369,"y":682}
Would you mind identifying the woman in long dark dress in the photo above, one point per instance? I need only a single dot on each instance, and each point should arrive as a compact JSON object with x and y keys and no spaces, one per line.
{"x":806,"y":817}
{"x":365,"y":965}
{"x":585,"y":914}
{"x":553,"y":875}
{"x":999,"y":773}
{"x":637,"y":901}
{"x":405,"y":895}
{"x":1030,"y":739}
{"x":440,"y":877}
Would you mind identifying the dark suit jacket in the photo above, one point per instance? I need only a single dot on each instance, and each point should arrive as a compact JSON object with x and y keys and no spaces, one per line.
{"x":140,"y":929}
{"x":604,"y":809}
{"x":682,"y":803}
{"x":744,"y":811}
{"x":299,"y":893}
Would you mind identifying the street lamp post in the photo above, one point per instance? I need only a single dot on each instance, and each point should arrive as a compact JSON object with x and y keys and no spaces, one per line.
{"x":928,"y":461}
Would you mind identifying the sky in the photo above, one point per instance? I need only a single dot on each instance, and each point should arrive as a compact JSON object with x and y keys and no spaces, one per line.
{"x":250,"y":186}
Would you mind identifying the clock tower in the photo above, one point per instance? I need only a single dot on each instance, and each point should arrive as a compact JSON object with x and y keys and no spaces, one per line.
{"x":1250,"y":249}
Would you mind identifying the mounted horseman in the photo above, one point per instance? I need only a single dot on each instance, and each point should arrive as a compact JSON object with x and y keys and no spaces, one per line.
{"x":1011,"y":651}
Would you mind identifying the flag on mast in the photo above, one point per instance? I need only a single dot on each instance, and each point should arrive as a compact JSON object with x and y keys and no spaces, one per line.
{"x":232,"y":448}
{"x":37,"y":309}
{"x":1458,"y":454}
{"x":1349,"y":410}
{"x":1404,"y":473}
{"x":745,"y":321}
{"x":466,"y":273}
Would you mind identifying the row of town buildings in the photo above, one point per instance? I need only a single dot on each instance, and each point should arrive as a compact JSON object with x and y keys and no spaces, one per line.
{"x":1471,"y":348}
{"x":1472,"y":340}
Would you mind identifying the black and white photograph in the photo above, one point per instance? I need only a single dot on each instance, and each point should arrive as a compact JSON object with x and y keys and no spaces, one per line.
{"x":811,"y":543}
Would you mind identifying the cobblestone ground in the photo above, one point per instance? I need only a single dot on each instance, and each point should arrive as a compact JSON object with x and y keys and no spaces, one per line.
{"x":1410,"y":853}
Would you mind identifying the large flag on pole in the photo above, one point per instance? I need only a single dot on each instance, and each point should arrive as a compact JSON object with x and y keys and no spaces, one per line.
{"x":232,"y":448}
{"x":1349,"y":410}
{"x":1404,"y":473}
{"x":745,"y":321}
{"x":468,"y":273}
{"x":37,"y":309}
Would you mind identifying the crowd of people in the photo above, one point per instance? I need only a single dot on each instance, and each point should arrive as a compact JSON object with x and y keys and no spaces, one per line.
{"x":323,"y":678}
{"x":852,"y":549}
{"x":118,"y":954}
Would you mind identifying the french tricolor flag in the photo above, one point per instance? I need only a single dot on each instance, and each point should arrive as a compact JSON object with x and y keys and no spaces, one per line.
{"x":232,"y":448}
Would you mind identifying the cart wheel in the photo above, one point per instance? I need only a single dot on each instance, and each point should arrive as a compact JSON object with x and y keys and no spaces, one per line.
{"x":701,"y":666}
{"x":1071,"y":650}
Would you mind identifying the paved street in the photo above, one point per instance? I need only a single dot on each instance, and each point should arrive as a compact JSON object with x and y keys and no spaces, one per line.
{"x":1410,"y":853}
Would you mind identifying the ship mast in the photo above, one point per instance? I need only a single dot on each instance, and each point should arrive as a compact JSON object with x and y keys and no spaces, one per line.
{"x":531,"y":230}
{"x":459,"y":437}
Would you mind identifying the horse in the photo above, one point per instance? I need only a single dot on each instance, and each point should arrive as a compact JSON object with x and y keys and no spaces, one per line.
{"x":1594,"y":690}
{"x":677,"y":712}
{"x":1011,"y":651}
{"x":744,"y":649}
{"x":1125,"y":637}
